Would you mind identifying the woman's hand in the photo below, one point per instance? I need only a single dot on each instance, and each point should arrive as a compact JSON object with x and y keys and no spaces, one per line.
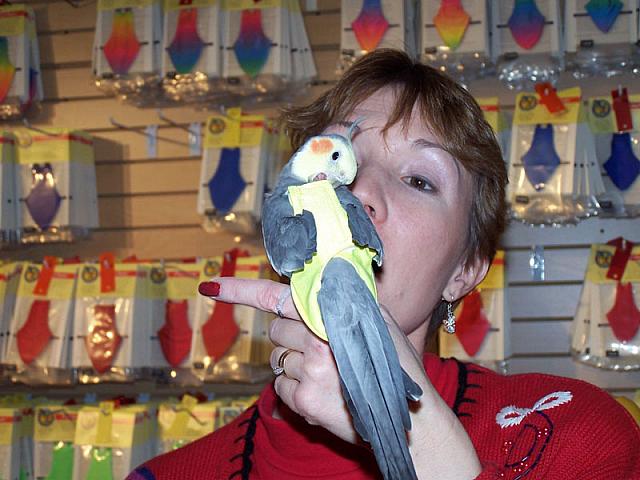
{"x":310,"y":385}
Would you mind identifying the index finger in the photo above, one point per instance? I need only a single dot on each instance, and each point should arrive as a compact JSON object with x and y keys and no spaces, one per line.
{"x":265,"y":295}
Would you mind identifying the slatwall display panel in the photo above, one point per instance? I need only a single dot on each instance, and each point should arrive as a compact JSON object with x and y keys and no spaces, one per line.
{"x":147,"y":205}
{"x":542,"y":311}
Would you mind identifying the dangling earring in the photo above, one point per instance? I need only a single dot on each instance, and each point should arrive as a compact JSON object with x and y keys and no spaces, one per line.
{"x":450,"y":322}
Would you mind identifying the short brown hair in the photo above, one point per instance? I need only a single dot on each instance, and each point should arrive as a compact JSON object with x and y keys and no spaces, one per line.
{"x":448,"y":109}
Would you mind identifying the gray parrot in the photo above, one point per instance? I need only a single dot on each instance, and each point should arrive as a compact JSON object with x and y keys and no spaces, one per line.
{"x":317,"y":233}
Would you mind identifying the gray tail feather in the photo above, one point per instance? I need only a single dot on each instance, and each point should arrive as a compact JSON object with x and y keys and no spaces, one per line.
{"x":374,"y":385}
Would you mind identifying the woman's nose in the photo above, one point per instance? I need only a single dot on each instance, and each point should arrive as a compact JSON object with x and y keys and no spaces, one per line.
{"x":370,"y":191}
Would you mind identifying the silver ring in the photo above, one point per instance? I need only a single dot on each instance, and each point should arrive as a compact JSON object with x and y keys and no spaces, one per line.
{"x":277,"y":371}
{"x":281,"y":299}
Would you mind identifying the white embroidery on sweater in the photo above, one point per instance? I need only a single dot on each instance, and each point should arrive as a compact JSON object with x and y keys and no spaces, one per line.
{"x":512,"y":415}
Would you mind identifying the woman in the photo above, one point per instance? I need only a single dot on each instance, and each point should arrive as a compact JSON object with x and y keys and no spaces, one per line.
{"x":431,"y":178}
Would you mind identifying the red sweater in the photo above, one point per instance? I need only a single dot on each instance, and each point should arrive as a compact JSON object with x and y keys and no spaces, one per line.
{"x":530,"y":426}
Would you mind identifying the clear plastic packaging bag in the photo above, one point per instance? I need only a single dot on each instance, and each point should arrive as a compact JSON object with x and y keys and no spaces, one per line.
{"x":367,"y":25}
{"x":110,"y":442}
{"x":112,"y":322}
{"x":180,"y":423}
{"x":455,"y":38}
{"x":176,"y":286}
{"x":232,"y":176}
{"x":21,"y":87}
{"x":526,"y":42}
{"x":618,"y":155}
{"x":126,"y":50}
{"x":606,"y":326}
{"x":10,"y":443}
{"x":40,"y":333}
{"x":499,"y":121}
{"x":16,"y":436}
{"x":601,"y":39}
{"x":547,"y":175}
{"x":56,"y":185}
{"x":278,"y":152}
{"x":303,"y":67}
{"x":8,"y":199}
{"x":231,"y":342}
{"x":53,"y":441}
{"x":192,"y":58}
{"x":257,"y":47}
{"x":10,"y":275}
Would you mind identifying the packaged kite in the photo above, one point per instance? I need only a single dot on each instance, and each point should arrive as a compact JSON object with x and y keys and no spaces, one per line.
{"x":10,"y":445}
{"x":126,"y":49}
{"x":26,"y":436}
{"x":231,"y":408}
{"x":54,"y":431}
{"x":112,"y":322}
{"x":499,"y":121}
{"x":111,"y":441}
{"x":482,"y":323}
{"x":370,"y":24}
{"x":10,"y":274}
{"x":192,"y":46}
{"x":56,"y":185}
{"x":16,"y":437}
{"x":278,"y":152}
{"x":172,"y":330}
{"x":41,"y":326}
{"x":455,"y":38}
{"x":180,"y":423}
{"x":21,"y":81}
{"x":552,"y":169}
{"x":230,"y":342}
{"x":303,"y":67}
{"x":607,"y":321}
{"x":232,"y":176}
{"x":8,"y":205}
{"x":601,"y":37}
{"x":526,"y":41}
{"x":615,"y":122}
{"x":257,"y":50}
{"x":155,"y":299}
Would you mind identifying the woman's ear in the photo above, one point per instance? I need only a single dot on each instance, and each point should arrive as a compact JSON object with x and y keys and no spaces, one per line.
{"x":465,"y":278}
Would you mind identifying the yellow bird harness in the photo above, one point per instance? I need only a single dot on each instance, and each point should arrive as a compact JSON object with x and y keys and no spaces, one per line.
{"x":334,"y":239}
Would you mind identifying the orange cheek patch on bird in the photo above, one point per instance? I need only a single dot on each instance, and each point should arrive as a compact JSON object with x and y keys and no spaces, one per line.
{"x":321,"y":145}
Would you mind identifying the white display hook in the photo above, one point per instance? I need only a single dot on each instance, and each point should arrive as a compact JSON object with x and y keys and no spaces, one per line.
{"x":28,"y":125}
{"x":166,"y":119}
{"x":140,"y":131}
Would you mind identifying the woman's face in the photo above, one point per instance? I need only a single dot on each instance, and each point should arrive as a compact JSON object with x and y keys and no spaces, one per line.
{"x":418,"y":198}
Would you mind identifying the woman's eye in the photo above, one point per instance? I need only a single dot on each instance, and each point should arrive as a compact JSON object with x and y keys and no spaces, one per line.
{"x":419,"y":183}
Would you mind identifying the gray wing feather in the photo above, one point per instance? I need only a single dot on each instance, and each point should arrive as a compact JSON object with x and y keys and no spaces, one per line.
{"x":289,"y":239}
{"x":362,"y":229}
{"x":372,"y":379}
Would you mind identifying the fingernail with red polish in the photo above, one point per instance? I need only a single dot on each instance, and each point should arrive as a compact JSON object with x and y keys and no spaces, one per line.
{"x":209,"y":289}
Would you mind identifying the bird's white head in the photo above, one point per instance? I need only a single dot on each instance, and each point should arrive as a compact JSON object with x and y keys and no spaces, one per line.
{"x":326,"y":157}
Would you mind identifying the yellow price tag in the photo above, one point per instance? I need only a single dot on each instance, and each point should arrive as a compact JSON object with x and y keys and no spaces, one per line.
{"x":105,"y":421}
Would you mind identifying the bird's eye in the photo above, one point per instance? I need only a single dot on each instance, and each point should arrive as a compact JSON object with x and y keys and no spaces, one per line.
{"x":335,"y":155}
